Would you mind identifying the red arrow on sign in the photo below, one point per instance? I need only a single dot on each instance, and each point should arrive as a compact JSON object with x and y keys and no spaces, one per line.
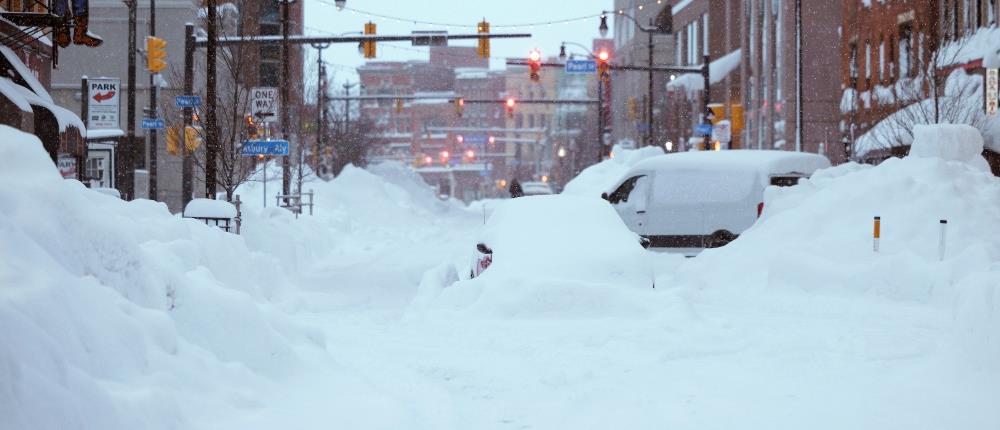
{"x":100,"y":97}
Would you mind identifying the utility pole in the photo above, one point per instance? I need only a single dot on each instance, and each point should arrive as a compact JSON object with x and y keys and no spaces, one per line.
{"x":320,"y":102}
{"x":286,"y":174}
{"x":600,"y":116}
{"x":130,"y":153}
{"x":211,"y":121}
{"x":187,"y":171}
{"x":649,"y":93}
{"x":152,"y":111}
{"x":798,"y":75}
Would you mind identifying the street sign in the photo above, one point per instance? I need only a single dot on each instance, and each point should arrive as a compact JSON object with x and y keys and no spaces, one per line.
{"x":722,"y":131}
{"x":252,"y":148}
{"x":991,"y":91}
{"x":581,"y":66}
{"x":153,"y":124}
{"x":187,"y":101}
{"x":430,"y":38}
{"x":103,"y":103}
{"x":703,"y":129}
{"x":475,"y":139}
{"x":264,"y":103}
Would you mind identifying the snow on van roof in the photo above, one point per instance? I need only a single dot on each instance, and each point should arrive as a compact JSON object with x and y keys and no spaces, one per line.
{"x":739,"y":159}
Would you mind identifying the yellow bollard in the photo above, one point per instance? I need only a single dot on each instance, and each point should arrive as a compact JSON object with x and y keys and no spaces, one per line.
{"x":878,"y":231}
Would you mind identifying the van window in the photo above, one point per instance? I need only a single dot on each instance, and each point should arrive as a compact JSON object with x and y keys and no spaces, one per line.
{"x":785,"y":181}
{"x":704,"y":186}
{"x":624,"y":190}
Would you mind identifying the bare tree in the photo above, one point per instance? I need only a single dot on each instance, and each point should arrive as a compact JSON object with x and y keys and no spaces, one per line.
{"x":933,"y":96}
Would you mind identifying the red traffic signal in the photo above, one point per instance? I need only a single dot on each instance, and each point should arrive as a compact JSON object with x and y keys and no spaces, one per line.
{"x":535,"y":63}
{"x":509,"y":106}
{"x":602,"y":61}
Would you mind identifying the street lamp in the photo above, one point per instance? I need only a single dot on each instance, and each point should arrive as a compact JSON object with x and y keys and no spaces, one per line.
{"x":562,"y":152}
{"x":663,"y":24}
{"x":562,"y":52}
{"x":340,"y":4}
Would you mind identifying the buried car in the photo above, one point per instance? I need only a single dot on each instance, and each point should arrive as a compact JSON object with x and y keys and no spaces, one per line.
{"x":561,"y":237}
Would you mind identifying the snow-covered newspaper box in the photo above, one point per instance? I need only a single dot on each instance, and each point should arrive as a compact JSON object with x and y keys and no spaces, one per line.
{"x":219,"y":213}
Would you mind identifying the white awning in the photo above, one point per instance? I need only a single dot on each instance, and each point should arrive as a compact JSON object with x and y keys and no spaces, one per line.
{"x":64,"y":117}
{"x":717,"y":71}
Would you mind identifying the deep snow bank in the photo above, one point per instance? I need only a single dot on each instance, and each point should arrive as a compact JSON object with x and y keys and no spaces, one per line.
{"x":597,"y":179}
{"x":817,"y":237}
{"x":121,"y":315}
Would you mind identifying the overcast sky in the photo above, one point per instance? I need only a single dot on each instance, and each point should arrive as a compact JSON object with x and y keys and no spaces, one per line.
{"x":321,"y":17}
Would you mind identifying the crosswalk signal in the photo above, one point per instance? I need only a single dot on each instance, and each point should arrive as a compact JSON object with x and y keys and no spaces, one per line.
{"x":483,"y":49}
{"x":535,"y":63}
{"x":459,"y":106}
{"x":251,"y":127}
{"x":156,"y":54}
{"x":368,"y":46}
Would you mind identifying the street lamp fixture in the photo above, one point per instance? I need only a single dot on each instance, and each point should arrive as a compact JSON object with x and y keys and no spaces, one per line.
{"x":562,"y":52}
{"x":604,"y":25}
{"x":340,"y":4}
{"x":562,"y":152}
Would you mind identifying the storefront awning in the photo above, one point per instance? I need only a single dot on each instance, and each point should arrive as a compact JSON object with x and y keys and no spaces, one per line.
{"x":26,"y":92}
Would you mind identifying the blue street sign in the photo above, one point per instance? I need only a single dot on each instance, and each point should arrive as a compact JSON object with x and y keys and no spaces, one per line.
{"x":187,"y":101}
{"x":703,"y":130}
{"x":476,"y":139}
{"x":253,"y":148}
{"x":581,"y":66}
{"x":152,"y":124}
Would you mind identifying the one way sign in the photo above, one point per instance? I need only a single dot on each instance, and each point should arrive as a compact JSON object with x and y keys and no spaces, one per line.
{"x":264,"y":104}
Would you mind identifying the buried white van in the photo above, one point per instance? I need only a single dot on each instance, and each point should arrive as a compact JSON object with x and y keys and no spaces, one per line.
{"x":694,"y":200}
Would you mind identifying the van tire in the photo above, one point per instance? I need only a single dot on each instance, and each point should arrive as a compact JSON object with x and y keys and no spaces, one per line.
{"x":720,"y":238}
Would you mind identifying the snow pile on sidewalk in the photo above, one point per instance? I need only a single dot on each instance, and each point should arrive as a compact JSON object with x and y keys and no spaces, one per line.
{"x":121,"y":315}
{"x":599,"y":178}
{"x":817,"y":237}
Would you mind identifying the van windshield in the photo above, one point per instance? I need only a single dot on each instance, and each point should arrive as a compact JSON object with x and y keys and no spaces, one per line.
{"x":704,"y":186}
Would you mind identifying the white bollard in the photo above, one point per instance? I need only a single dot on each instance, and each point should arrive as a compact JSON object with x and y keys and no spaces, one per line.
{"x":941,"y":241}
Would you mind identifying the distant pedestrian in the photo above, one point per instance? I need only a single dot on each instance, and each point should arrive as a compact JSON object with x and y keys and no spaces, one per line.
{"x":515,"y":189}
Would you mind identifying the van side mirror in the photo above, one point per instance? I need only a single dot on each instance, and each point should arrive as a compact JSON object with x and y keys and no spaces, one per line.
{"x":482,"y":248}
{"x":604,"y":196}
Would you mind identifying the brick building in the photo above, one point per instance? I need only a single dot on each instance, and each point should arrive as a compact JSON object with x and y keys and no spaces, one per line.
{"x":887,"y":77}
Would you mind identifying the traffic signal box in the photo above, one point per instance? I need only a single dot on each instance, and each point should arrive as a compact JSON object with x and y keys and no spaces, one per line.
{"x":368,"y":47}
{"x":483,"y":48}
{"x":156,"y":54}
{"x":509,"y":106}
{"x":535,"y":64}
{"x":459,"y":106}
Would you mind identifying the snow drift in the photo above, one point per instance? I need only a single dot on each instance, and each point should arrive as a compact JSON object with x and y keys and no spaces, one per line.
{"x":816,"y":237}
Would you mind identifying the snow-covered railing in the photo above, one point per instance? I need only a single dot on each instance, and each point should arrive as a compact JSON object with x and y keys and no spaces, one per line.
{"x":219,"y":213}
{"x":294,"y":203}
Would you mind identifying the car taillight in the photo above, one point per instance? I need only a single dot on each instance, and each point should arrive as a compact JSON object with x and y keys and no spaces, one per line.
{"x":760,"y":209}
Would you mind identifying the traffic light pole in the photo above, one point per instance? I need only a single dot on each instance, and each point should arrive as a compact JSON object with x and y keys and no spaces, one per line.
{"x":286,"y":174}
{"x":320,"y":102}
{"x":649,"y":96}
{"x":152,"y":111}
{"x":600,"y":117}
{"x":130,"y":152}
{"x":211,"y":121}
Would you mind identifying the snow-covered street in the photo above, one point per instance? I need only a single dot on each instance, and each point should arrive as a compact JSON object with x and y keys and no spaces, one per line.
{"x":353,"y":318}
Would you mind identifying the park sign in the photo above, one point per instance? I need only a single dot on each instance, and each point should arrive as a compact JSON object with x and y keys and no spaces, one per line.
{"x":103,"y":103}
{"x":581,"y":66}
{"x":253,"y":148}
{"x":264,"y":104}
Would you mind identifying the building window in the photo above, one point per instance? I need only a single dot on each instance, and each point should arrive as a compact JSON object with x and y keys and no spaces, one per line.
{"x":852,"y":64}
{"x":704,"y":36}
{"x":678,"y":48}
{"x":905,"y":51}
{"x":868,"y":60}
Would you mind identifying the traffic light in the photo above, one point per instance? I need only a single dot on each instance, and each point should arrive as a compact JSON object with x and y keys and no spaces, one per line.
{"x":156,"y":54}
{"x":483,"y":49}
{"x":492,"y":140}
{"x":251,"y":127}
{"x":632,"y":108}
{"x":173,"y":141}
{"x":535,"y":63}
{"x":368,"y":47}
{"x":718,"y":112}
{"x":459,"y":106}
{"x":460,"y":139}
{"x":399,"y":105}
{"x":602,"y":62}
{"x":470,"y":155}
{"x":509,"y":106}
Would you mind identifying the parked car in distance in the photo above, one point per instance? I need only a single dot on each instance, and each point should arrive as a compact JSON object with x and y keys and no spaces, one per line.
{"x":694,"y":200}
{"x":536,"y":188}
